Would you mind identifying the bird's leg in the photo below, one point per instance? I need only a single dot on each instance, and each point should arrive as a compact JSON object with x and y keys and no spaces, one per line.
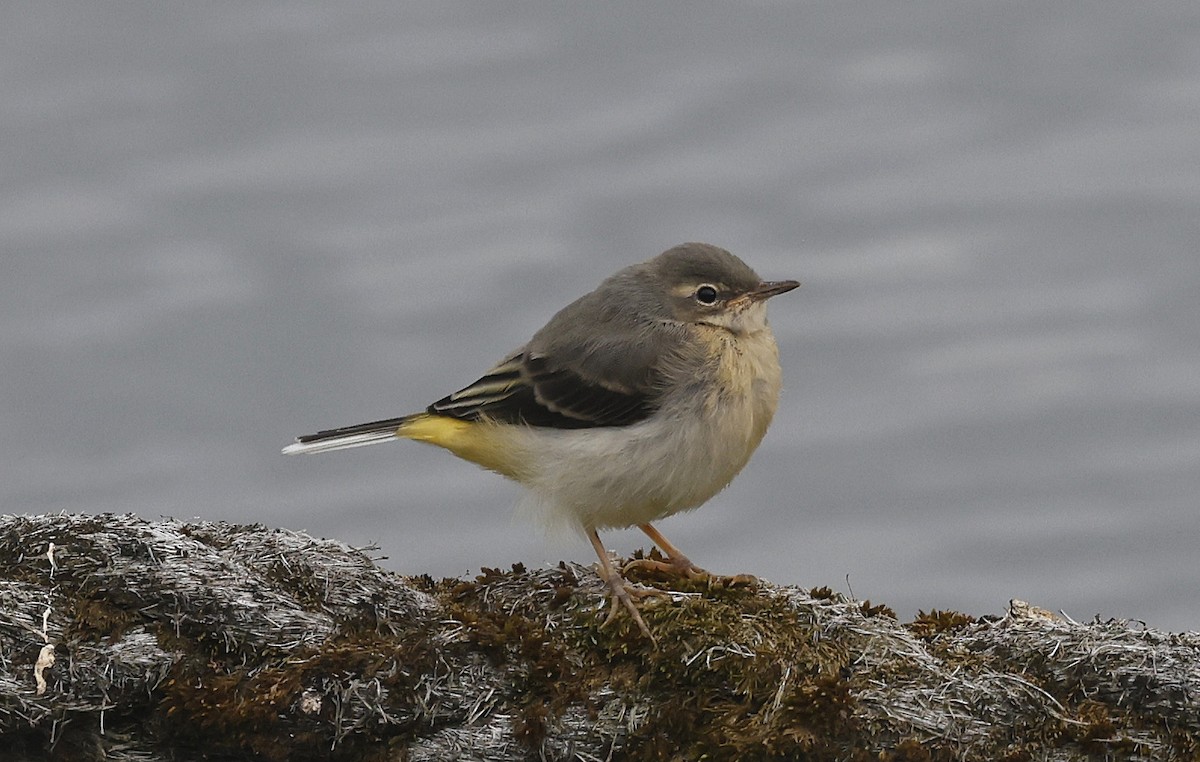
{"x":677,"y":563}
{"x":620,"y":593}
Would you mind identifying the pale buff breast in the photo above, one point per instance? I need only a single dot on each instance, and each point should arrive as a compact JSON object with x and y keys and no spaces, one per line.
{"x":675,"y":461}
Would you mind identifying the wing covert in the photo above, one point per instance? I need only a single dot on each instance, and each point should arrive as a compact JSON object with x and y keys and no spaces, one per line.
{"x":530,"y":390}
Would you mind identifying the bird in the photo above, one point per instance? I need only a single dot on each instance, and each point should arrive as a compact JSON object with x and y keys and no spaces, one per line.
{"x":641,"y":399}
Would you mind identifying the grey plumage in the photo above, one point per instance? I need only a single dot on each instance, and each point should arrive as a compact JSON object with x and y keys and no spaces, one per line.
{"x":639,"y":400}
{"x":600,"y":361}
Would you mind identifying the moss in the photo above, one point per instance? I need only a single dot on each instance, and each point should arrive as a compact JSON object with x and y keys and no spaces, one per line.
{"x":704,"y":681}
{"x":873,"y":610}
{"x":95,"y":619}
{"x":503,"y":617}
{"x":908,"y":750}
{"x":825,"y":593}
{"x":367,"y":667}
{"x":867,"y":608}
{"x":255,"y":710}
{"x":1184,"y":744}
{"x":929,"y":626}
{"x":708,"y":691}
{"x":1097,"y":730}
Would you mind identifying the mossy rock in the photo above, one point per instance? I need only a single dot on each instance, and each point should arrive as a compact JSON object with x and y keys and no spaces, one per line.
{"x":214,"y":641}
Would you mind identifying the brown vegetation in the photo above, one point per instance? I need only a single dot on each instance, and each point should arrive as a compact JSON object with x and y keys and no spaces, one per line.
{"x":124,"y":639}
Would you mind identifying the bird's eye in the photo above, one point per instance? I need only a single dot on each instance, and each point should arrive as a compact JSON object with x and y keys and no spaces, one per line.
{"x":706,"y":294}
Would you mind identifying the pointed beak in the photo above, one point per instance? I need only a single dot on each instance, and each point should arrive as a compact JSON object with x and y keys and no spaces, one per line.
{"x":770,"y":288}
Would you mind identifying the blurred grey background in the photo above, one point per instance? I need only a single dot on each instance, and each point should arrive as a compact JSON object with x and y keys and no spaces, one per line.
{"x":225,"y":224}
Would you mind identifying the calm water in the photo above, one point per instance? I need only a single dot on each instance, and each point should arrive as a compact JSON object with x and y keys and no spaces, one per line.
{"x":225,"y":225}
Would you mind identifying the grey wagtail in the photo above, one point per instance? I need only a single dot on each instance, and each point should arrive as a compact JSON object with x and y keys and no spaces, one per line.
{"x":637,"y":401}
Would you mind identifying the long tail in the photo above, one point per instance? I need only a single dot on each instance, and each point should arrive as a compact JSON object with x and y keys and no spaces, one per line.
{"x":500,"y":448}
{"x":349,"y":436}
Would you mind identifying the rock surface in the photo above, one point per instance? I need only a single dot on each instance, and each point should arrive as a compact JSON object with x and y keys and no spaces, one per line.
{"x":125,"y":639}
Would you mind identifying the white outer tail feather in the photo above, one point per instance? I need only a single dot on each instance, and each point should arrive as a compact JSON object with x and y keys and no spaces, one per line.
{"x":340,"y":443}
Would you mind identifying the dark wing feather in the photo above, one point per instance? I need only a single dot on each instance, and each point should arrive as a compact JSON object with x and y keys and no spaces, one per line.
{"x":579,"y":398}
{"x":529,"y":390}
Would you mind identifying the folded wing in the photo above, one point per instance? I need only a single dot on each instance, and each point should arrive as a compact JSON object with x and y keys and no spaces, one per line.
{"x":532,"y":390}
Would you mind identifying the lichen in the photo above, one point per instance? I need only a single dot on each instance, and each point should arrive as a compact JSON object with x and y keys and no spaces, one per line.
{"x":189,"y":641}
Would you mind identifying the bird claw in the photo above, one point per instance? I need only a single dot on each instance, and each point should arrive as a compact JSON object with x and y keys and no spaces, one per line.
{"x":622,"y":597}
{"x":676,"y":566}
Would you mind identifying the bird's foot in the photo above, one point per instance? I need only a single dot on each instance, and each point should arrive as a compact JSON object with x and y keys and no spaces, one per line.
{"x":680,"y":567}
{"x":675,"y":566}
{"x":622,"y":596}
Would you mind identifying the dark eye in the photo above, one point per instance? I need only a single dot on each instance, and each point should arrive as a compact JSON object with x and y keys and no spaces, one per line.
{"x":706,"y":294}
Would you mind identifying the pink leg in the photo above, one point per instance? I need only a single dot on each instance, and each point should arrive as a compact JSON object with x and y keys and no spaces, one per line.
{"x":621,"y":594}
